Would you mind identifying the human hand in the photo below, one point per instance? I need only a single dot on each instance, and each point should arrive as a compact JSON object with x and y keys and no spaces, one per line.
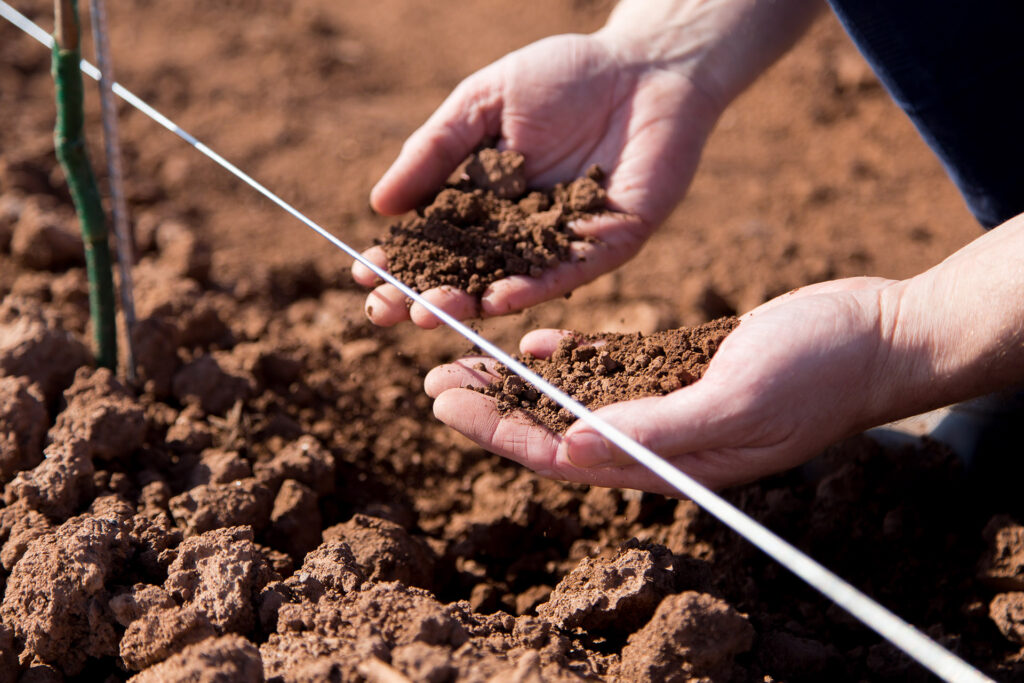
{"x":566,"y":103}
{"x":800,"y":372}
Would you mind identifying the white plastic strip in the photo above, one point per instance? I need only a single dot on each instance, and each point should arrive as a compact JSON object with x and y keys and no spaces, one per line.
{"x":930,"y":654}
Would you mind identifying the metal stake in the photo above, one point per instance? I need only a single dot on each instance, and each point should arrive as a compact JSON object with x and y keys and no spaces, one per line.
{"x":112,"y":144}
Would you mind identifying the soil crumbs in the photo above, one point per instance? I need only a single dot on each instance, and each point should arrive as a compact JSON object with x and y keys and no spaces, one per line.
{"x":487,"y":227}
{"x":599,"y":369}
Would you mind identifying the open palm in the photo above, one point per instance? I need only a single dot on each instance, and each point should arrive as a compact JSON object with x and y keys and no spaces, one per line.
{"x":797,"y":374}
{"x":566,"y":103}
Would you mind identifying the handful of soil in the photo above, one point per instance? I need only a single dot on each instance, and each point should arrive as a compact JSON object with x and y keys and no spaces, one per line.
{"x":601,"y":369}
{"x":486,"y":226}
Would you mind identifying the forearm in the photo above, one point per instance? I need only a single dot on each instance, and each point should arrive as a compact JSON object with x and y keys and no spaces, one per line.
{"x":721,"y":45}
{"x":957,"y":330}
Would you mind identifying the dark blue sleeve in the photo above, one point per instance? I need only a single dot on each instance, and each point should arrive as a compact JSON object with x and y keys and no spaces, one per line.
{"x":957,"y":69}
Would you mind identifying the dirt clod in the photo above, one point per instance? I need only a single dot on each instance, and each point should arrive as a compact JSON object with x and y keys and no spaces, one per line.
{"x":23,"y":422}
{"x":33,"y":345}
{"x":295,"y":519}
{"x":1007,"y":611}
{"x":218,"y":466}
{"x":156,"y":627}
{"x":227,"y":658}
{"x":386,"y":551}
{"x":220,"y":573}
{"x":619,"y":594}
{"x":691,"y":635}
{"x":42,"y":242}
{"x":423,"y":662}
{"x":337,"y":633}
{"x":1003,"y":565}
{"x":334,"y":565}
{"x":58,"y":486}
{"x":206,"y":383}
{"x":19,"y":526}
{"x":182,"y":251}
{"x":103,"y":413}
{"x":503,"y":173}
{"x":305,"y":460}
{"x":156,"y":354}
{"x":212,"y":506}
{"x":65,"y":620}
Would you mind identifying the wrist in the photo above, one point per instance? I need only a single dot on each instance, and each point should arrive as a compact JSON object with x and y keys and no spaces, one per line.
{"x":646,"y":44}
{"x":897,"y":375}
{"x":721,"y":46}
{"x":956,"y":331}
{"x":699,"y":104}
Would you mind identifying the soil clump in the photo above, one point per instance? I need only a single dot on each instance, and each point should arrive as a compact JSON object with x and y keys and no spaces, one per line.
{"x":486,"y":226}
{"x":600,"y":369}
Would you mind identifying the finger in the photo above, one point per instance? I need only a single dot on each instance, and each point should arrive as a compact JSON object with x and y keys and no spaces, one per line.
{"x":521,"y":440}
{"x":512,"y":436}
{"x":455,"y":302}
{"x":689,"y":420}
{"x":471,"y":113}
{"x":386,"y":306}
{"x":515,"y":293}
{"x":617,"y":238}
{"x":466,"y":372}
{"x":542,"y":343}
{"x":365,"y":276}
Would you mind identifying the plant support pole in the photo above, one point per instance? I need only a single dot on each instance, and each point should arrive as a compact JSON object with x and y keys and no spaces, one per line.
{"x":119,"y":209}
{"x":70,"y":143}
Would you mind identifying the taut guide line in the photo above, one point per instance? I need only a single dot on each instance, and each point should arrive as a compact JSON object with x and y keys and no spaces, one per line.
{"x":920,"y":647}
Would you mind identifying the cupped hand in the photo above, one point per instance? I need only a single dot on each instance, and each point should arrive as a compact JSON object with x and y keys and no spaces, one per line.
{"x":799,"y":373}
{"x":566,"y":103}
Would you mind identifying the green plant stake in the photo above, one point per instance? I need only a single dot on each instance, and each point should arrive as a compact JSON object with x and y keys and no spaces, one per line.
{"x":71,"y":152}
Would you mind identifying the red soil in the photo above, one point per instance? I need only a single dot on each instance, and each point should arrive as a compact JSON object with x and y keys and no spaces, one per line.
{"x":600,"y":369}
{"x":275,"y":497}
{"x":486,"y":227}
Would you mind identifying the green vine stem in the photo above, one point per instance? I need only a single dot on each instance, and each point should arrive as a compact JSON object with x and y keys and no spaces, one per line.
{"x":71,"y":152}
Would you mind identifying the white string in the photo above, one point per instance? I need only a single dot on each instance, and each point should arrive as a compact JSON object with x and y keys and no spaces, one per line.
{"x":926,"y":651}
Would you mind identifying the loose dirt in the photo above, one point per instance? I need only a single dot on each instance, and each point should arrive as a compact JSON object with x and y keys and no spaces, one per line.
{"x":600,"y":369}
{"x":486,"y":226}
{"x":290,"y":509}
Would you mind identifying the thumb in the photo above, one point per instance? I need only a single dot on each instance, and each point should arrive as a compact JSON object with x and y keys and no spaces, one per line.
{"x":688,"y":420}
{"x":471,"y":113}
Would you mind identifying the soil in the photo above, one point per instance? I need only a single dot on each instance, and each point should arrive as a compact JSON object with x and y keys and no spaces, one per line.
{"x":600,"y":369}
{"x":275,"y":499}
{"x":486,"y":227}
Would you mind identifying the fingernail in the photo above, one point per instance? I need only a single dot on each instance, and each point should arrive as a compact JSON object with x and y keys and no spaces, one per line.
{"x":588,"y":450}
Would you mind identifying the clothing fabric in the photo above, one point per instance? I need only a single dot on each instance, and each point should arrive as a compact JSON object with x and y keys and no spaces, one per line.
{"x":957,"y":70}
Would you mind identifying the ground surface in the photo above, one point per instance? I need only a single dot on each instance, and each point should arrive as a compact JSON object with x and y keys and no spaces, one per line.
{"x":250,"y":508}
